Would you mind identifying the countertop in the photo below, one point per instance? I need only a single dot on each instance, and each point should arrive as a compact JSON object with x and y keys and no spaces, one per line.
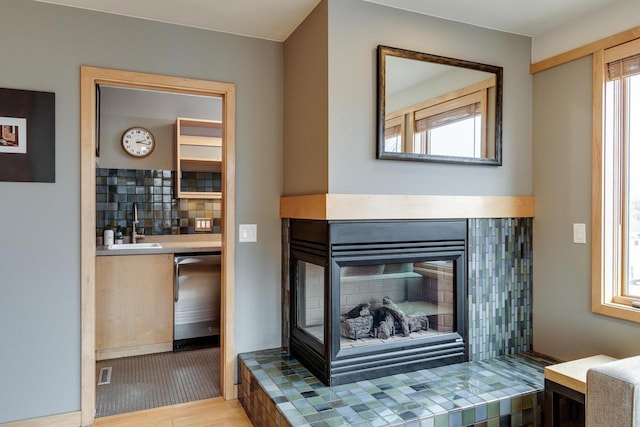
{"x":170,"y":245}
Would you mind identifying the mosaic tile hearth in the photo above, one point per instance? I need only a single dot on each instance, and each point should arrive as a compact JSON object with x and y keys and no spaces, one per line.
{"x":276,"y":390}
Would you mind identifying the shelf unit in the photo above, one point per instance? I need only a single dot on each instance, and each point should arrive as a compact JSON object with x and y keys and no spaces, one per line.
{"x":198,"y":149}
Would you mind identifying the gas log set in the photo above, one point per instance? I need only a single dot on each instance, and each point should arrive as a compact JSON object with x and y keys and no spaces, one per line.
{"x":365,"y":322}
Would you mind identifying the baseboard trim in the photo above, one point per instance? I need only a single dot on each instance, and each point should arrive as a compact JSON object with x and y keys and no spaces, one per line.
{"x":116,"y":353}
{"x":71,"y":419}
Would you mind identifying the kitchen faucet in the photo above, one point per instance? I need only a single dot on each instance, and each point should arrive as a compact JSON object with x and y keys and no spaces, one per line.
{"x":134,"y":233}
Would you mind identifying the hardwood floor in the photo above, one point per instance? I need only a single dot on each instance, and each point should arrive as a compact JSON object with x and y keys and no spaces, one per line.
{"x":215,"y":412}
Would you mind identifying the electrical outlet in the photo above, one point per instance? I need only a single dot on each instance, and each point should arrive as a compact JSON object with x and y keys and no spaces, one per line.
{"x":204,"y":224}
{"x":248,"y":233}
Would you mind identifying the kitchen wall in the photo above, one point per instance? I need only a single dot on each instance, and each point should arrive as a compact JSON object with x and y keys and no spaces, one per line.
{"x":122,"y":179}
{"x":123,"y":108}
{"x":44,"y":46}
{"x":563,"y":323}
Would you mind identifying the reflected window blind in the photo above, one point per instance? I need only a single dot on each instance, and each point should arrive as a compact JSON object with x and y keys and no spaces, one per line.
{"x":392,"y":131}
{"x":625,"y":67}
{"x":448,"y":117}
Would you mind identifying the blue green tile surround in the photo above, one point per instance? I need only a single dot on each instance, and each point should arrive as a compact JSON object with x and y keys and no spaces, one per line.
{"x":159,"y":212}
{"x":276,"y":390}
{"x":500,"y":263}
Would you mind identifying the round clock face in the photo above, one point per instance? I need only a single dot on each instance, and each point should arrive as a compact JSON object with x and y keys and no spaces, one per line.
{"x":138,"y":142}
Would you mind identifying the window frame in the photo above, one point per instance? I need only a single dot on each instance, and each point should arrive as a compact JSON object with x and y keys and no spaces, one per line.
{"x":608,"y":251}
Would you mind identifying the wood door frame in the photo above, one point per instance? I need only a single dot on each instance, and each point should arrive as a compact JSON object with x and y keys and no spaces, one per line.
{"x":89,"y":77}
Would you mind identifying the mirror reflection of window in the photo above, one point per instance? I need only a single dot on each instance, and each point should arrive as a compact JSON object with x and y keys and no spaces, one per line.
{"x":465,"y":133}
{"x":393,"y":135}
{"x":455,"y":132}
{"x":452,"y":124}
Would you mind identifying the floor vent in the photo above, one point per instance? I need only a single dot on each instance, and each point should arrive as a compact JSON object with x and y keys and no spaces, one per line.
{"x":105,"y":376}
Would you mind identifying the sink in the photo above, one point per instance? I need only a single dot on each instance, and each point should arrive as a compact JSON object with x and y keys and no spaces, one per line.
{"x":135,"y":246}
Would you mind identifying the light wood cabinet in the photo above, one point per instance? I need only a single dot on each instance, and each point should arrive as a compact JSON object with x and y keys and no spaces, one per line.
{"x":134,"y":305}
{"x":199,"y":145}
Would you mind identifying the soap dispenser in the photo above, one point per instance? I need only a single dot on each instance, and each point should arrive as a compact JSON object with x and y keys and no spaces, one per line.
{"x":119,"y":239}
{"x":107,"y":238}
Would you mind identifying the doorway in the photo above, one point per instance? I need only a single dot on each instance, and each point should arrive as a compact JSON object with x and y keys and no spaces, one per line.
{"x":89,"y":78}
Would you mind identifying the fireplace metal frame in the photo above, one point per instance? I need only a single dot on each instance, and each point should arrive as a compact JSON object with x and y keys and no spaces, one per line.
{"x":334,"y":244}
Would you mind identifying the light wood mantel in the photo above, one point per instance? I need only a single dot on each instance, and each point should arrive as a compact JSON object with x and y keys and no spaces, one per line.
{"x":380,"y":206}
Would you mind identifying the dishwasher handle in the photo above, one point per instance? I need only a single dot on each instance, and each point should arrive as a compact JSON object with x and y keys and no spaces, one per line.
{"x":176,"y":281}
{"x":211,"y":259}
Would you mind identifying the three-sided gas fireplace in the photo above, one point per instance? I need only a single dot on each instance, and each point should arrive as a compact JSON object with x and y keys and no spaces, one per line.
{"x":373,"y":298}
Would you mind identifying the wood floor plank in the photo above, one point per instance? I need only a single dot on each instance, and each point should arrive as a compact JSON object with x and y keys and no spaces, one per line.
{"x":203,"y":413}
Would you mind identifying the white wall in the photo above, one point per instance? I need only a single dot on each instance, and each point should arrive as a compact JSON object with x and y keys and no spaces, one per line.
{"x":612,"y":19}
{"x":43,"y":47}
{"x":563,"y":324}
{"x":355,"y":30}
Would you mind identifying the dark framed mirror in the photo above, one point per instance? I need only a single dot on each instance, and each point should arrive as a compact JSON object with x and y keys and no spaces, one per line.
{"x":437,"y":109}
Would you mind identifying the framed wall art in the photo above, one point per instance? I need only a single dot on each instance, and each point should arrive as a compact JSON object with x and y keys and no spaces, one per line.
{"x":27,"y":136}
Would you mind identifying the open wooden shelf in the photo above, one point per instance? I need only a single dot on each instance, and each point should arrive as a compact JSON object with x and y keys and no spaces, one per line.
{"x":198,"y":149}
{"x":199,"y":165}
{"x":207,"y":141}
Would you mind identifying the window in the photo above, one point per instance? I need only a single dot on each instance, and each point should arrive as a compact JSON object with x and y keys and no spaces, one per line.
{"x":616,"y":182}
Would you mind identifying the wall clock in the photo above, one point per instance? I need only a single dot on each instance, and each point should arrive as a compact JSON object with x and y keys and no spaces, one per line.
{"x":138,"y":142}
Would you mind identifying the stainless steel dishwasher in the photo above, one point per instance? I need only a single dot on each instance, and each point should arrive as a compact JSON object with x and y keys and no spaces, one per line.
{"x":196,"y":289}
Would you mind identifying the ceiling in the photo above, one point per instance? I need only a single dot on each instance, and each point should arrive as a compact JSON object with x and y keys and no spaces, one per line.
{"x":276,"y":19}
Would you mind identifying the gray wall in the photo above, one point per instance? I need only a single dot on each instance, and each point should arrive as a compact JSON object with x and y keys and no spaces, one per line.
{"x":122,"y":108}
{"x":40,"y":232}
{"x":563,"y":324}
{"x":355,"y":29}
{"x":306,"y":106}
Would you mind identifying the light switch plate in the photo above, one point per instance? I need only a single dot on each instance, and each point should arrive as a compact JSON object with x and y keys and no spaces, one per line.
{"x":248,"y":233}
{"x":579,"y":233}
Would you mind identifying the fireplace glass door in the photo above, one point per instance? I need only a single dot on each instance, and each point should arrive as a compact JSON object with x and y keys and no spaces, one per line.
{"x":390,"y":302}
{"x":311,"y":299}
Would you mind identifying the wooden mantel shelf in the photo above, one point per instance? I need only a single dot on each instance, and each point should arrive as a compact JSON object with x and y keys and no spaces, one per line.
{"x":380,"y":206}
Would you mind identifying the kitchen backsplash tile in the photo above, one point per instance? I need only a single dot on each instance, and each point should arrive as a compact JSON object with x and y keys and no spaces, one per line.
{"x":158,"y":211}
{"x":201,"y":181}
